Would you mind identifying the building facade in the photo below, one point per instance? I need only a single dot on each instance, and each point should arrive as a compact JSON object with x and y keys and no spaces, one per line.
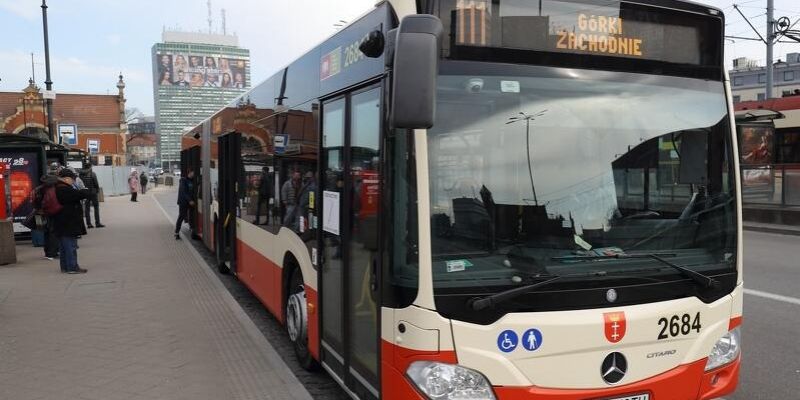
{"x":142,"y":143}
{"x":748,"y":80}
{"x":142,"y":149}
{"x":194,"y":75}
{"x":90,"y":122}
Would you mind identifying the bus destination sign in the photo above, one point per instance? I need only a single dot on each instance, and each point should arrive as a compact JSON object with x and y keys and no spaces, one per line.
{"x":599,"y":34}
{"x":612,"y":28}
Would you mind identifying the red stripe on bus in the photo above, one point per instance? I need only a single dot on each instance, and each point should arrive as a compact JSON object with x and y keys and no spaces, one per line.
{"x":313,"y":322}
{"x":394,"y":363}
{"x":261,"y":276}
{"x":689,"y":381}
{"x":735,"y":323}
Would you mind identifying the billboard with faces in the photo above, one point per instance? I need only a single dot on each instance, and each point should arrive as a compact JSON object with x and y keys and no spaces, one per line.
{"x":197,"y":70}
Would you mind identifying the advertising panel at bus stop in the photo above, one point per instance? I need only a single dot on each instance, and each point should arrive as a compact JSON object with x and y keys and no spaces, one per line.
{"x":24,"y":175}
{"x":756,"y":144}
{"x":5,"y":199}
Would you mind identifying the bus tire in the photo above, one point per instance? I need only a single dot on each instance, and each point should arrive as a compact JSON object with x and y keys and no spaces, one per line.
{"x":297,"y":320}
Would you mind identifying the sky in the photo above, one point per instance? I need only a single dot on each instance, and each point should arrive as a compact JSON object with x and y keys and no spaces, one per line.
{"x":92,"y":41}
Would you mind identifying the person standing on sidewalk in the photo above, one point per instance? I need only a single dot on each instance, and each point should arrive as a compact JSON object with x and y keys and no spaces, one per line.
{"x":133,"y":184}
{"x":89,"y":179}
{"x":143,"y":182}
{"x":50,"y":238}
{"x":68,"y":223}
{"x":185,"y":201}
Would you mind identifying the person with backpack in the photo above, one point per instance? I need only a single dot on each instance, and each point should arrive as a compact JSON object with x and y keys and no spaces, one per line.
{"x":67,"y":218}
{"x":143,"y":182}
{"x":90,"y":181}
{"x":50,"y":239}
{"x":133,"y":184}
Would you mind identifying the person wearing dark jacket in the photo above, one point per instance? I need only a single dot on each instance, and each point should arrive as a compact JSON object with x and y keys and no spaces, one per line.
{"x":185,"y":201}
{"x":89,"y":179}
{"x":143,"y":182}
{"x":68,"y":223}
{"x":50,"y":238}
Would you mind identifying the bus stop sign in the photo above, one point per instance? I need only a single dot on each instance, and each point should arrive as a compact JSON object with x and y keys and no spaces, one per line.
{"x":281,"y":143}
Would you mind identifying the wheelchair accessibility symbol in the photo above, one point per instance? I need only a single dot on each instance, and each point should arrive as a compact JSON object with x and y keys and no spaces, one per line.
{"x":507,"y":341}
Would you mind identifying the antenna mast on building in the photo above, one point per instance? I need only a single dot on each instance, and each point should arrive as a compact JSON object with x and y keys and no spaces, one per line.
{"x":223,"y":21}
{"x":33,"y":70}
{"x":209,"y":17}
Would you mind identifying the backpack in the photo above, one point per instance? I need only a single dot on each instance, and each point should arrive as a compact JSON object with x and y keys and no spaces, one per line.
{"x":50,"y":204}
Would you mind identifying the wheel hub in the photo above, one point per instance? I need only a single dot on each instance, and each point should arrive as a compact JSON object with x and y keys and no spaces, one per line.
{"x":296,"y":316}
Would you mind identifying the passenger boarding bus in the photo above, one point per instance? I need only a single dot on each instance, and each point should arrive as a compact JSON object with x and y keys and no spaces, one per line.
{"x":505,"y":199}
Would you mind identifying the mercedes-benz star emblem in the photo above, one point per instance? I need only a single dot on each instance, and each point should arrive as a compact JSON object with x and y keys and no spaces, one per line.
{"x":611,"y":295}
{"x":614,"y":368}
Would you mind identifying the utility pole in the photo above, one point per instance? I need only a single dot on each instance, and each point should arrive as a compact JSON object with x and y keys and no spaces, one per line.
{"x":48,"y":82}
{"x":770,"y":44}
{"x":209,"y":17}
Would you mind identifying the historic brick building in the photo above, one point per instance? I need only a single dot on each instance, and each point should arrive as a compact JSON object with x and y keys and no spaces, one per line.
{"x":142,"y":142}
{"x":100,"y":119}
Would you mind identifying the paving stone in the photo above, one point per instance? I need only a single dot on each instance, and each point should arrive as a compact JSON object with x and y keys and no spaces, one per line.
{"x":146,"y":322}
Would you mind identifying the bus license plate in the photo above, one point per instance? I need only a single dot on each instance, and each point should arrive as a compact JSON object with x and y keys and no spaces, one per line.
{"x":643,"y":396}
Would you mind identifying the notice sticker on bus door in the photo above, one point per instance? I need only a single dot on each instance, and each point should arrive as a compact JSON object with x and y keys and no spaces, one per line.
{"x":330,"y":212}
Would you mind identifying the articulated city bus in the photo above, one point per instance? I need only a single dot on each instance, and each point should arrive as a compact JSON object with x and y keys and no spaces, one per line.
{"x":505,"y":199}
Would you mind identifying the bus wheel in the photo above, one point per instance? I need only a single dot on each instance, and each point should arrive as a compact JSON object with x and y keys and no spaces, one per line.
{"x":297,"y":320}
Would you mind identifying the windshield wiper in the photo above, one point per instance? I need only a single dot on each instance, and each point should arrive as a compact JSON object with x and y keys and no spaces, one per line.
{"x":704,"y":281}
{"x":482,"y":303}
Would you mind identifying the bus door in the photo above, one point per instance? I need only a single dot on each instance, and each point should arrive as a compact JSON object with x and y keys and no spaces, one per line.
{"x":349,"y":181}
{"x":229,"y":156}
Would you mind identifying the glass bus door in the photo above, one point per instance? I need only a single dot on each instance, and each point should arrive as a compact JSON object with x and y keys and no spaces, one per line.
{"x":350,"y":184}
{"x":229,"y":156}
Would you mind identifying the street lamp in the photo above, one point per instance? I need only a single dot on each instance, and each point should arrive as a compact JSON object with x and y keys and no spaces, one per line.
{"x":528,"y":118}
{"x":48,"y":82}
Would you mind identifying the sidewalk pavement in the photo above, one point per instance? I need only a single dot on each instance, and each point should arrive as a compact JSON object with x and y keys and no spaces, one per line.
{"x":771,"y":228}
{"x":147,"y":321}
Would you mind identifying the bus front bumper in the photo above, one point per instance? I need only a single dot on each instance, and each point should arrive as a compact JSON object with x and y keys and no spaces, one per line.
{"x":686,"y":382}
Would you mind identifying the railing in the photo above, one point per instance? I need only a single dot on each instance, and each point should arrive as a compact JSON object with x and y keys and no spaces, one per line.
{"x":771,"y":184}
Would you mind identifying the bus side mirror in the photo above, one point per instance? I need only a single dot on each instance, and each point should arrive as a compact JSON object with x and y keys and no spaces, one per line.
{"x":416,"y":65}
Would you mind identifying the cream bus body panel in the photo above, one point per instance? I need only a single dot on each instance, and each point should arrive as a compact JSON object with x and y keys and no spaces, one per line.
{"x":574,"y":345}
{"x":425,"y":330}
{"x":275,"y":246}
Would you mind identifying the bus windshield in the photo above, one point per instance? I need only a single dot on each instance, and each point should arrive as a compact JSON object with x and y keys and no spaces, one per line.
{"x":541,"y":171}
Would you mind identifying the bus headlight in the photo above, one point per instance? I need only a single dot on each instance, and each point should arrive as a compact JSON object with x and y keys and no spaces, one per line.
{"x":725,"y":350}
{"x":441,"y":381}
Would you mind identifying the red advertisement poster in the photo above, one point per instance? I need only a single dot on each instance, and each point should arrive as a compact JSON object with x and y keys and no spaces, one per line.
{"x":24,"y":177}
{"x":757,"y":144}
{"x":367,"y":188}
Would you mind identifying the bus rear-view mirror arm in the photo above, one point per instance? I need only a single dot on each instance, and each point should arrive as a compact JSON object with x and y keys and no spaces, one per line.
{"x":414,"y":70}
